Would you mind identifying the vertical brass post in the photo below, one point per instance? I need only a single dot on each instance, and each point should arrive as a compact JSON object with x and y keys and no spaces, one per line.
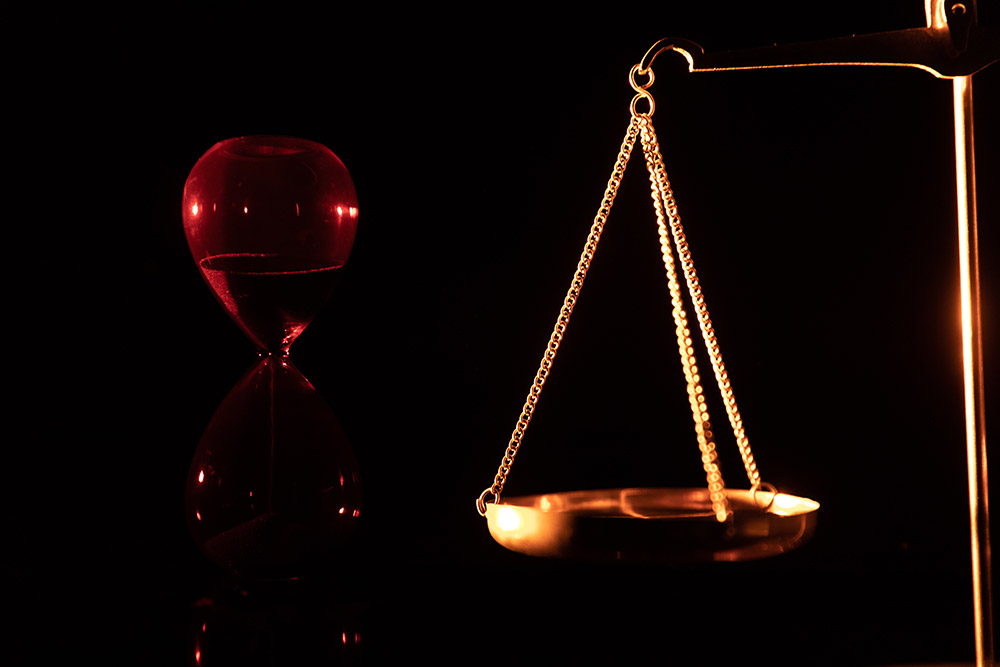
{"x":972,"y":361}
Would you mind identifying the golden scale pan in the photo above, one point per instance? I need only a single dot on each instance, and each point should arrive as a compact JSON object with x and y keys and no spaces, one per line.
{"x":663,"y":524}
{"x":715,"y":523}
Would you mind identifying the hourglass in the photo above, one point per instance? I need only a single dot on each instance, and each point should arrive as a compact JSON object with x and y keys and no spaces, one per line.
{"x":274,"y":486}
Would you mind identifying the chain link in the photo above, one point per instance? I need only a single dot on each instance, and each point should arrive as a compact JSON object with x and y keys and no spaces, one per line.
{"x":701,"y":308}
{"x":586,"y":257}
{"x":696,"y":394}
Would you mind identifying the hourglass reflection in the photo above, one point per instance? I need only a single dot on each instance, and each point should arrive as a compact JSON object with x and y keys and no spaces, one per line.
{"x":274,"y":486}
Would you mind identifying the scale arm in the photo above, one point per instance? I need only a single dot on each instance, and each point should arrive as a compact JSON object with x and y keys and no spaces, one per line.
{"x":947,"y":48}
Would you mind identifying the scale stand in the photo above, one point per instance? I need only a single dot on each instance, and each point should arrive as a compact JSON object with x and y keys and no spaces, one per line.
{"x":720,"y":524}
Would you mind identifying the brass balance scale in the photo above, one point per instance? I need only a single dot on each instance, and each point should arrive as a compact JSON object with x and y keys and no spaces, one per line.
{"x":717,"y":522}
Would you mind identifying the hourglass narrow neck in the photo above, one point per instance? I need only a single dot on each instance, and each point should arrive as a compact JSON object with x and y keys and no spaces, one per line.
{"x":281,"y":354}
{"x":268,"y":295}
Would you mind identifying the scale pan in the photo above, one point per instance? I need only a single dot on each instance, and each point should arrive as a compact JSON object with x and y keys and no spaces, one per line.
{"x":655,"y":524}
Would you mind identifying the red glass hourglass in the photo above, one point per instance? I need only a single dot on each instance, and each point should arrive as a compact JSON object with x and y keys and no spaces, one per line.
{"x":274,"y":486}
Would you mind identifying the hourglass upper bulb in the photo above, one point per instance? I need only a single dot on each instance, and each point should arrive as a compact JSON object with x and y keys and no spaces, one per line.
{"x":270,"y":220}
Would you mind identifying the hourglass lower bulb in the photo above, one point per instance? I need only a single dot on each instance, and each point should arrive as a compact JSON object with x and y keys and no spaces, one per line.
{"x":274,"y":486}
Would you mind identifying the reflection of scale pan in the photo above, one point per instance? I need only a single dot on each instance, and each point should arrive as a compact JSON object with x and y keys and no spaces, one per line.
{"x":663,"y":524}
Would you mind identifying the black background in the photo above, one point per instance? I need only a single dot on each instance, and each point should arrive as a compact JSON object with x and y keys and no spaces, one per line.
{"x":819,"y":204}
